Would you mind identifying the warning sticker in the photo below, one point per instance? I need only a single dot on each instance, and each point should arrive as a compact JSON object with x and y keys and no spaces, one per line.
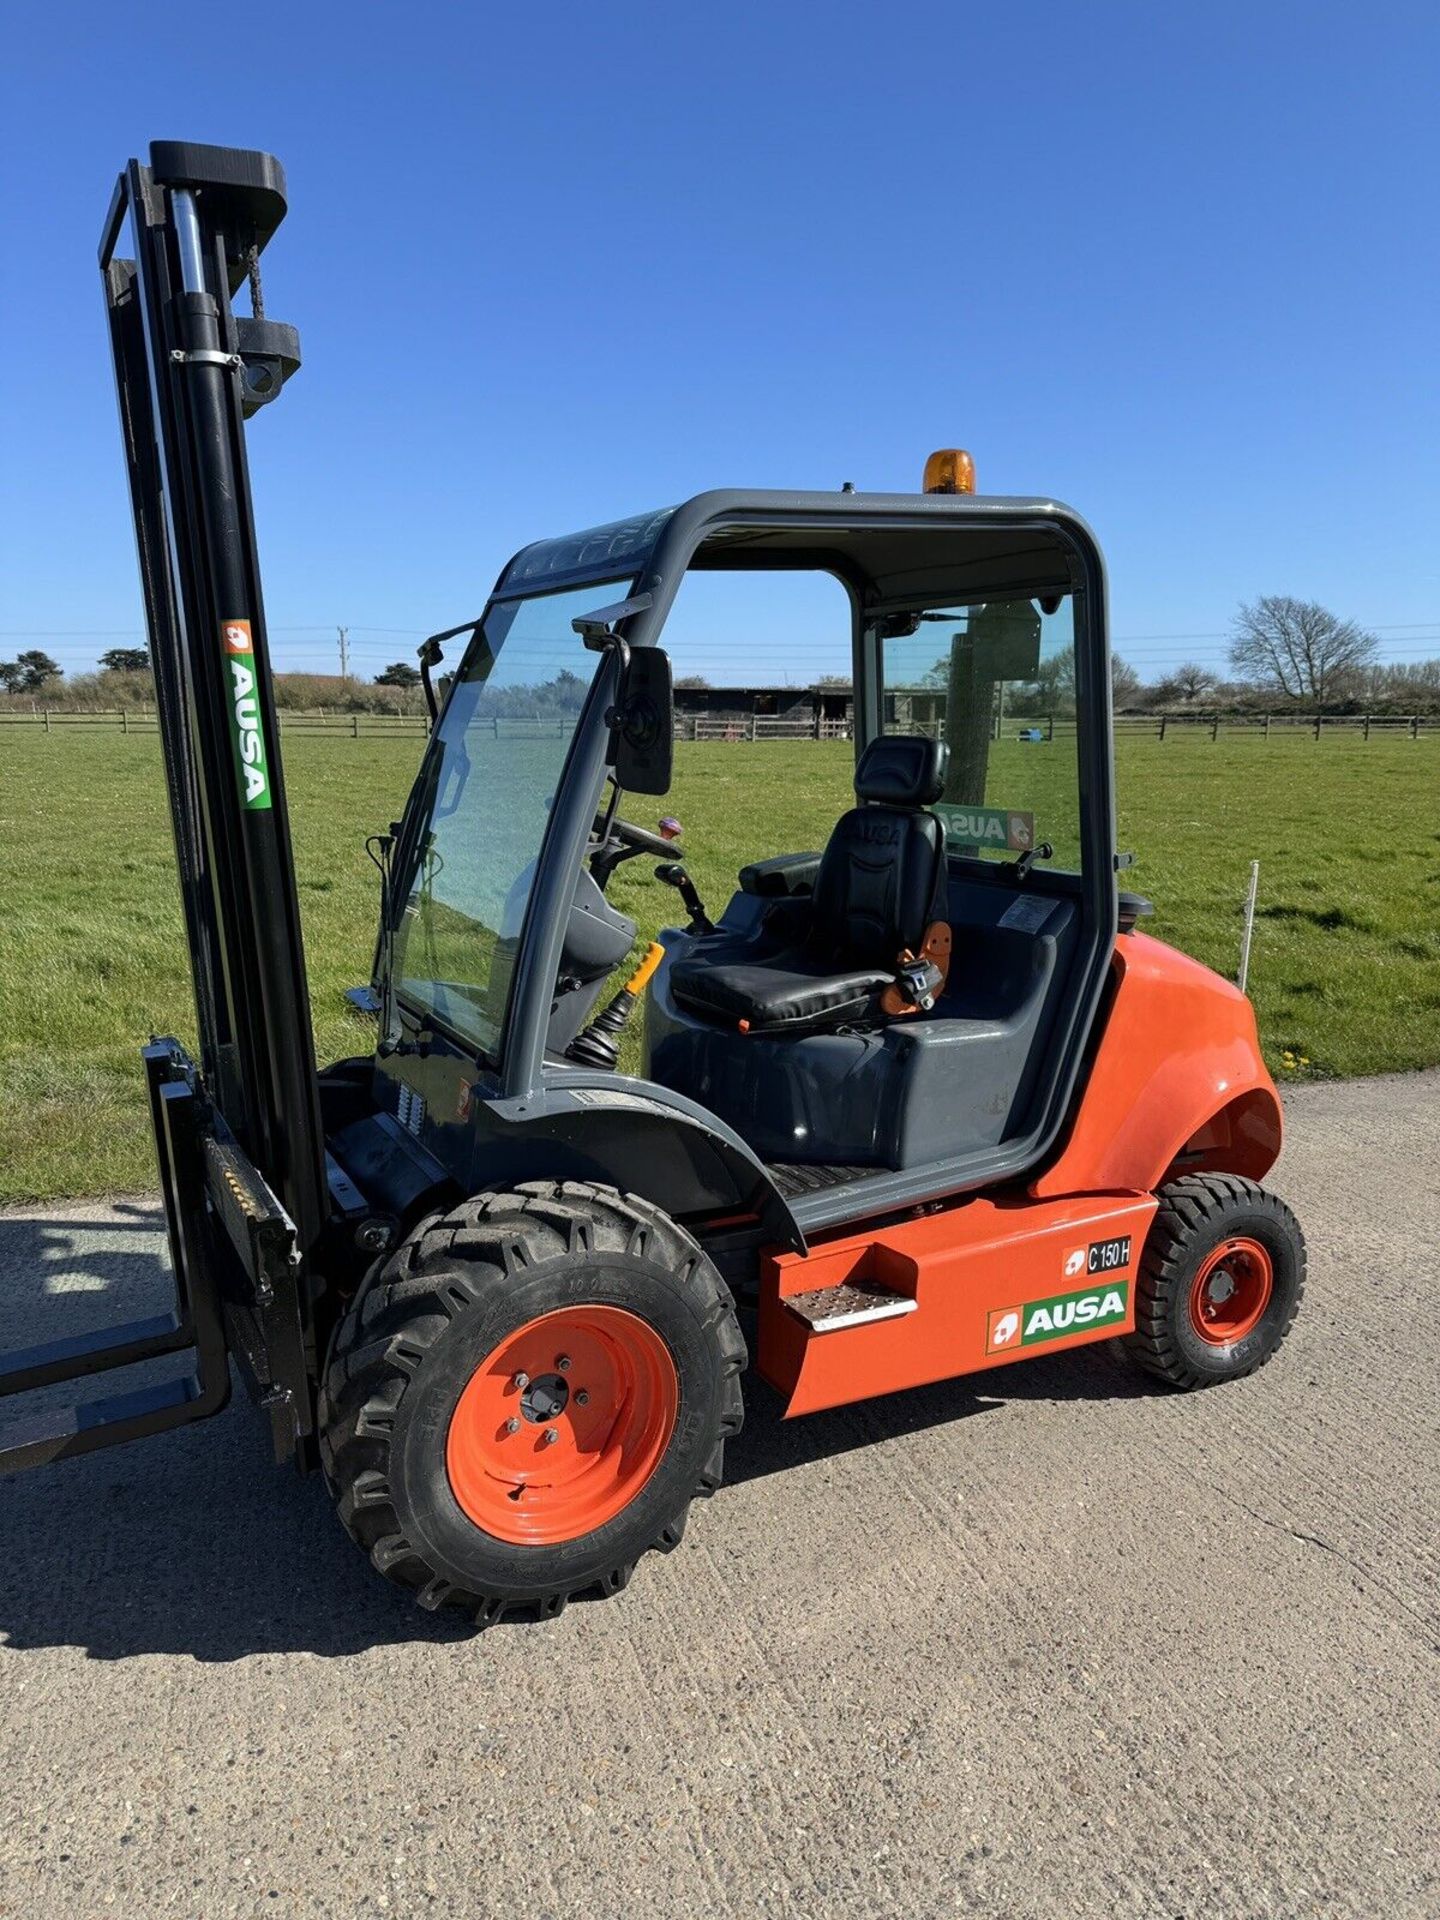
{"x":1027,"y":913}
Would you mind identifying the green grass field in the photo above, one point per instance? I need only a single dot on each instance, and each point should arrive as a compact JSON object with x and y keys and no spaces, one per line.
{"x":1345,"y":974}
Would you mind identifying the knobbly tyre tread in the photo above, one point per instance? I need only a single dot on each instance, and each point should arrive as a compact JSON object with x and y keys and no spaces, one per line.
{"x":1188,"y":1207}
{"x":407,"y":1303}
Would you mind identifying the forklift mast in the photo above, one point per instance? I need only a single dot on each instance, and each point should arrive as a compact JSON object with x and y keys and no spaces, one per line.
{"x":188,"y":373}
{"x":239,"y":1138}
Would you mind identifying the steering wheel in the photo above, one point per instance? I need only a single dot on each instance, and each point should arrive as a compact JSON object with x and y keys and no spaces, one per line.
{"x":639,"y":839}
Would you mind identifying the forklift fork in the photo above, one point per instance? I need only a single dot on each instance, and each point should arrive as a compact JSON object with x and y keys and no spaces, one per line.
{"x":193,"y":1322}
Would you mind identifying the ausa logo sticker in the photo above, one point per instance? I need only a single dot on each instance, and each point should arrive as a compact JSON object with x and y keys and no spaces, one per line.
{"x":1063,"y":1314}
{"x":989,"y":827}
{"x":239,"y":646}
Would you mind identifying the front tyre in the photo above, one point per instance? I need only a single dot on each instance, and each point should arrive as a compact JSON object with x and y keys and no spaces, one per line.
{"x":527,"y":1396}
{"x":1221,"y":1280}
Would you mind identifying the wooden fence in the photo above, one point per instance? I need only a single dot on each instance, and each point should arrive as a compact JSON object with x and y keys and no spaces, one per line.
{"x":759,"y":726}
{"x":355,"y":726}
{"x":1156,"y":726}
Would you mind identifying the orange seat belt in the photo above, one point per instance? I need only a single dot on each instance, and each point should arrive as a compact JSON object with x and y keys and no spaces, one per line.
{"x":934,"y":955}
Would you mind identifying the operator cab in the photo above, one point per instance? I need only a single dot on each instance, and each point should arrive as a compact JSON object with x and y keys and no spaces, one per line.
{"x":898,"y":994}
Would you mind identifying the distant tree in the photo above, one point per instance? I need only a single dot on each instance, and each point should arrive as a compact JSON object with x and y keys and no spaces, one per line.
{"x":28,"y":671}
{"x":1054,"y":682}
{"x":399,"y":674}
{"x":1124,"y":682}
{"x":126,"y":660}
{"x":1189,"y":681}
{"x":694,"y":681}
{"x":1407,"y":679}
{"x":835,"y":682}
{"x":1299,"y":648}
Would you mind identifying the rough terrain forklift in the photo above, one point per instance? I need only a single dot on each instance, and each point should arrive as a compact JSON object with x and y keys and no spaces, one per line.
{"x":920,"y":1102}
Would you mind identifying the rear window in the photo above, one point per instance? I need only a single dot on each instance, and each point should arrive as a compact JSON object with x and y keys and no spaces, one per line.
{"x":996,"y":679}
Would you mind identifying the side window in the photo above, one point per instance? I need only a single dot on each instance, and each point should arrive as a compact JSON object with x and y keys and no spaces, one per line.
{"x":996,"y":679}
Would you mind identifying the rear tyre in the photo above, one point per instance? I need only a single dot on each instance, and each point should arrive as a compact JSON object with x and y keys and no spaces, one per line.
{"x":1221,"y":1280}
{"x":525,"y":1398}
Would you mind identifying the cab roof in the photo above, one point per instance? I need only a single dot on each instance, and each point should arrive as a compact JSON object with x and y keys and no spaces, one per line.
{"x":893,"y":548}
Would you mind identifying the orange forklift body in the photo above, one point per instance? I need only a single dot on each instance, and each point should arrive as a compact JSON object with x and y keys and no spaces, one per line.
{"x":1177,"y":1085}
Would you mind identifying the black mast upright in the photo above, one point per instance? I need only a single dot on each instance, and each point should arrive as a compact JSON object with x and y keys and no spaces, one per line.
{"x":189,"y":372}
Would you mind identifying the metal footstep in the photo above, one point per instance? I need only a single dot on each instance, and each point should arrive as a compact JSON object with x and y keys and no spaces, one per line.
{"x":853,"y":1305}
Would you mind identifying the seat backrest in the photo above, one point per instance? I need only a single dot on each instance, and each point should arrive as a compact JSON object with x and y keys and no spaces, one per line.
{"x":882,"y":876}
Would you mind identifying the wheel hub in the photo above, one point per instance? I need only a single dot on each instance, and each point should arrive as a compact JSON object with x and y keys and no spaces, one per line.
{"x":544,"y":1398}
{"x":1231,"y":1291}
{"x":559,"y":1429}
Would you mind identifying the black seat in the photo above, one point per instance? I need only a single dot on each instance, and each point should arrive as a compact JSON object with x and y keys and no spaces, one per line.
{"x":881,"y":884}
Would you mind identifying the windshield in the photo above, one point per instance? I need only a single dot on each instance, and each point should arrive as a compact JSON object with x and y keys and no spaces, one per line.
{"x":487,"y":787}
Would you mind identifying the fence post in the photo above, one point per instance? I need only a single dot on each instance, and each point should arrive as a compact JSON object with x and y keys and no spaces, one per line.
{"x":1163,"y":718}
{"x":354,"y":726}
{"x":1267,"y":726}
{"x":1243,"y":977}
{"x":47,"y":719}
{"x":1050,"y":729}
{"x":1215,"y":726}
{"x":1317,"y":726}
{"x":1415,"y":726}
{"x":124,"y":721}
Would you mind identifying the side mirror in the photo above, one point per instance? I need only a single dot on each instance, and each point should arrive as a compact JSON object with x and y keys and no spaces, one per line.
{"x":644,"y":722}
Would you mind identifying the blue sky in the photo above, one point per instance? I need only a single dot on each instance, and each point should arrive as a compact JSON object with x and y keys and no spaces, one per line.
{"x":1174,"y":264}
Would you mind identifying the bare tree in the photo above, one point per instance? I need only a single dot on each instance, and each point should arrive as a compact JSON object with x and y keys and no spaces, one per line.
{"x":1189,"y":682}
{"x":1124,"y":682}
{"x":1298,"y":647}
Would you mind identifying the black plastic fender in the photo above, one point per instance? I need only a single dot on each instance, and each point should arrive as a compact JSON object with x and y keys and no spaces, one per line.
{"x":634,"y":1135}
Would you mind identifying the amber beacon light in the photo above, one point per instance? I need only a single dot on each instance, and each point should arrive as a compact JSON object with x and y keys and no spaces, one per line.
{"x":951,"y":470}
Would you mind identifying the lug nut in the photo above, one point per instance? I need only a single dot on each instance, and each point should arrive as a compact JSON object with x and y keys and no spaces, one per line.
{"x":520,"y":1382}
{"x":373,"y":1236}
{"x":512,"y":1426}
{"x":552,"y":1434}
{"x":563,"y":1363}
{"x":582,"y":1398}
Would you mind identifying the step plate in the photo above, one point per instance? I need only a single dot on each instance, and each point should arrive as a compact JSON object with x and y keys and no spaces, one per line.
{"x":849,"y":1306}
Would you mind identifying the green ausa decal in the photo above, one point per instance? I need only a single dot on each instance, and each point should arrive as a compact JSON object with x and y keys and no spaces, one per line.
{"x":244,"y":708}
{"x":1057,"y":1318}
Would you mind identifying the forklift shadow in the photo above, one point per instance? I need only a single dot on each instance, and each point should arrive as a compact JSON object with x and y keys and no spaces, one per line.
{"x":195,"y":1544}
{"x":768,"y":1443}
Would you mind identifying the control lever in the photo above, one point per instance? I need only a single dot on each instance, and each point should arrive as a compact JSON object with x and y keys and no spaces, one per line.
{"x":674,"y":875}
{"x":1044,"y":851}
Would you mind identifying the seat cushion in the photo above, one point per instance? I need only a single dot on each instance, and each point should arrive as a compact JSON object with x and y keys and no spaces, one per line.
{"x":787,"y":992}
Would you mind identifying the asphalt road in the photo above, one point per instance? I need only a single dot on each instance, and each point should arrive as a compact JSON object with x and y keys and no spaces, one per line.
{"x":1047,"y":1643}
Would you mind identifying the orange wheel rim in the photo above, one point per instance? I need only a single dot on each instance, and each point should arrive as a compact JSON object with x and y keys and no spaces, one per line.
{"x":560,"y":1428}
{"x":1231,"y":1291}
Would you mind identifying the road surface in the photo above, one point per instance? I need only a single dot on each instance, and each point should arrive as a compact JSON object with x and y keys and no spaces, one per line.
{"x":1043,"y":1643}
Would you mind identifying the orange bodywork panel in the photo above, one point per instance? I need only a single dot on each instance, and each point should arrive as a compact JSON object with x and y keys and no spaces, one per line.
{"x":1177,"y":1084}
{"x":978,"y":1285}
